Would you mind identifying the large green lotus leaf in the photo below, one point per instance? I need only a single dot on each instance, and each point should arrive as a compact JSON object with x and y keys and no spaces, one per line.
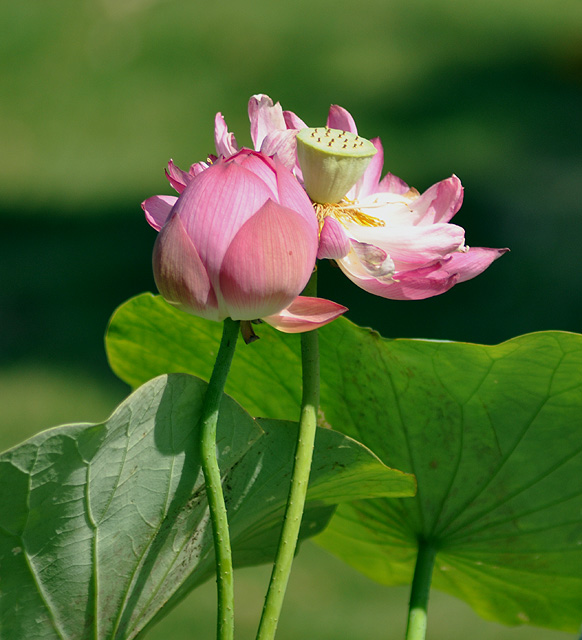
{"x":103,"y":525}
{"x":494,"y":437}
{"x":493,"y":434}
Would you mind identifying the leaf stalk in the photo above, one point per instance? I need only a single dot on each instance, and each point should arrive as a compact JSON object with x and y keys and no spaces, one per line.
{"x":420,"y":591}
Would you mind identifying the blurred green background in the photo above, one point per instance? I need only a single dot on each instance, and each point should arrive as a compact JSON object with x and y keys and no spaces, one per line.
{"x":97,"y":95}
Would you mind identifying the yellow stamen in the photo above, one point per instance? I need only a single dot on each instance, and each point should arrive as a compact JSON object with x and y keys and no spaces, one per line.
{"x":345,"y":212}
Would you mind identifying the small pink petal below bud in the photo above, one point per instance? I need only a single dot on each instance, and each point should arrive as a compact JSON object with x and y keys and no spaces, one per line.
{"x":305,"y":314}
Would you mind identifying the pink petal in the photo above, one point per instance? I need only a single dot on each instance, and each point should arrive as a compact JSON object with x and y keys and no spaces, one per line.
{"x":392,"y":184}
{"x":409,"y":285}
{"x":468,"y":264}
{"x":293,"y":196}
{"x":375,"y":261}
{"x":180,"y":274}
{"x":265,"y":117}
{"x":427,"y":282}
{"x":268,"y":263}
{"x":225,"y":141}
{"x":305,"y":314}
{"x":283,"y":145}
{"x":369,"y":182}
{"x":157,"y":210}
{"x":339,"y":118}
{"x":260,"y":165}
{"x":178,"y":178}
{"x":409,"y":246}
{"x":198,"y":167}
{"x":215,"y":205}
{"x":439,"y":203}
{"x":292,"y":121}
{"x":333,"y":241}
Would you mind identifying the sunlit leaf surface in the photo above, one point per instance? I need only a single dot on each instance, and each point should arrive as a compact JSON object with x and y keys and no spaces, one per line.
{"x":103,"y":525}
{"x":492,"y":433}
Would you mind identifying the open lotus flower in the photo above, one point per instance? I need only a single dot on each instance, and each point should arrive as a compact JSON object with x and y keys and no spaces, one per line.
{"x":240,"y":241}
{"x":395,"y":243}
{"x":385,"y":236}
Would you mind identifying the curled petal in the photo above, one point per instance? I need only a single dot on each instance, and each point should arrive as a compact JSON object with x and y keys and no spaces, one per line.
{"x":265,"y":117}
{"x":438,"y":203}
{"x":368,"y":183}
{"x":374,"y":260}
{"x":225,"y":141}
{"x":199,"y":167}
{"x":392,"y":184}
{"x":408,"y":285}
{"x":178,"y":178}
{"x":293,"y":121}
{"x":339,"y":118}
{"x":468,"y":264}
{"x":305,"y":314}
{"x":413,"y":247}
{"x":418,"y":284}
{"x":179,"y":273}
{"x":268,"y":262}
{"x":281,"y":144}
{"x":157,"y":210}
{"x":333,"y":241}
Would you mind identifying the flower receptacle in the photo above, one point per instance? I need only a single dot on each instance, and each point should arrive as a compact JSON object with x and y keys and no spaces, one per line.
{"x":331,"y":161}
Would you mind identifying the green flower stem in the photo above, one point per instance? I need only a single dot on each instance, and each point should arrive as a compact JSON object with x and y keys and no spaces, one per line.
{"x":218,"y":517}
{"x":299,"y":481}
{"x":417,"y":610}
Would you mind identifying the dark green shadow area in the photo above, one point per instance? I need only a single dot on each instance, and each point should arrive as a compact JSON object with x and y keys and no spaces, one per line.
{"x":62,"y":278}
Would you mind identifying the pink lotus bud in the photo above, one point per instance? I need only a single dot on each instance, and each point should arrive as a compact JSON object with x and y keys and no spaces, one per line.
{"x":240,"y":241}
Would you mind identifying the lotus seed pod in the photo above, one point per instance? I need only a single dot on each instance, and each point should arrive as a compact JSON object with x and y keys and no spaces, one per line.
{"x":332,"y":161}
